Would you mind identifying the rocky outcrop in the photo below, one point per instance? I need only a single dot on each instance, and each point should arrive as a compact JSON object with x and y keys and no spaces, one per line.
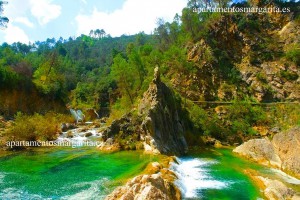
{"x":287,"y":147}
{"x":146,"y":187}
{"x":260,"y":150}
{"x":158,"y":185}
{"x":161,"y":122}
{"x":157,"y":126}
{"x":281,"y":152}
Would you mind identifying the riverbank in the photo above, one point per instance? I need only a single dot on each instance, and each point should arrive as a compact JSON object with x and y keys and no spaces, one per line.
{"x":282,"y":153}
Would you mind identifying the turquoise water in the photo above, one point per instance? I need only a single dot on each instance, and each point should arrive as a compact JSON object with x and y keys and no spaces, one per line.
{"x":67,"y":173}
{"x":86,"y":173}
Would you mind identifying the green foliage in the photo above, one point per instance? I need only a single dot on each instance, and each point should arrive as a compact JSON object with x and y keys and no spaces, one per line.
{"x":124,"y":74}
{"x":48,"y":77}
{"x":291,"y":76}
{"x":285,"y":115}
{"x":293,"y":54}
{"x":206,"y":122}
{"x":262,"y":77}
{"x":35,"y":127}
{"x":248,"y":24}
{"x":198,"y":116}
{"x":244,"y":116}
{"x":8,"y":78}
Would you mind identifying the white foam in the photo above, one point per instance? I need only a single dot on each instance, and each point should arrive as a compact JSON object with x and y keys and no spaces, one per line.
{"x":93,"y":192}
{"x":193,"y":175}
{"x":2,"y":175}
{"x":287,"y":178}
{"x":13,"y":193}
{"x":78,"y":136}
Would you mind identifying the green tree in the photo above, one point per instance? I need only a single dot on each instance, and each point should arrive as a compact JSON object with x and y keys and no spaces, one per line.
{"x":49,"y":77}
{"x":124,"y":75}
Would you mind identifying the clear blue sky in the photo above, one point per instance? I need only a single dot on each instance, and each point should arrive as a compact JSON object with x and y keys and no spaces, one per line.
{"x":33,"y":20}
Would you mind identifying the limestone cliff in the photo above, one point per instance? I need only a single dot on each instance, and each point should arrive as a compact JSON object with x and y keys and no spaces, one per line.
{"x":240,"y":59}
{"x":157,"y":126}
{"x":161,"y":122}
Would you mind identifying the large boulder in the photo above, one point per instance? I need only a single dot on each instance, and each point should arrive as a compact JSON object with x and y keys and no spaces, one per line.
{"x":147,"y":187}
{"x":161,"y":122}
{"x":260,"y":150}
{"x":287,"y":147}
{"x":282,"y":151}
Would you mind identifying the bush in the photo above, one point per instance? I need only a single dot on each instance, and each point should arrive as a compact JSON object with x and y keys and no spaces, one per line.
{"x":293,"y":54}
{"x":35,"y":127}
{"x":206,"y":122}
{"x":244,"y":116}
{"x":261,"y":77}
{"x":291,"y":76}
{"x":198,"y":116}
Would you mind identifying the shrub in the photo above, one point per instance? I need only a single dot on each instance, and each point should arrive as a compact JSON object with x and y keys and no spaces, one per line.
{"x":198,"y":116}
{"x":244,"y":116}
{"x":293,"y":54}
{"x":291,"y":76}
{"x":262,"y":77}
{"x":35,"y":127}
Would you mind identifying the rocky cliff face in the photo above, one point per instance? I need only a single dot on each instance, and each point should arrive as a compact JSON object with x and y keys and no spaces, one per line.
{"x":157,"y":127}
{"x":161,"y":122}
{"x":254,"y":54}
{"x":281,"y":152}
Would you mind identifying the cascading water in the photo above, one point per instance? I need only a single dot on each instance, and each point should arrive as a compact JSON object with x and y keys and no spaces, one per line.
{"x":194,"y":176}
{"x":214,"y":175}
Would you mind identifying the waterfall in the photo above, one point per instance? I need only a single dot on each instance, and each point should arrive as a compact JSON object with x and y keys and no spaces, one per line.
{"x":194,"y":175}
{"x":78,"y":115}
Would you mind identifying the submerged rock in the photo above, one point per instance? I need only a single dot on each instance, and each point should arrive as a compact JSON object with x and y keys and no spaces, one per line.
{"x":282,"y":151}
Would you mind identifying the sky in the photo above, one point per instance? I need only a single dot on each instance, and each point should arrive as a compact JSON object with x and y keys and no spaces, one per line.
{"x":37,"y":20}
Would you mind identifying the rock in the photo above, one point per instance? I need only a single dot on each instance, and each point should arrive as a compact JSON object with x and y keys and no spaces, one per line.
{"x":287,"y":145}
{"x":263,"y":131}
{"x":212,"y":141}
{"x":276,"y":190}
{"x":146,"y":187}
{"x":275,"y":130}
{"x":67,"y":126}
{"x":161,"y":121}
{"x":125,"y":124}
{"x":91,"y":114}
{"x":260,"y":150}
{"x":218,"y":144}
{"x":70,"y":134}
{"x":282,"y":152}
{"x":109,"y":141}
{"x":63,"y":127}
{"x":88,"y":134}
